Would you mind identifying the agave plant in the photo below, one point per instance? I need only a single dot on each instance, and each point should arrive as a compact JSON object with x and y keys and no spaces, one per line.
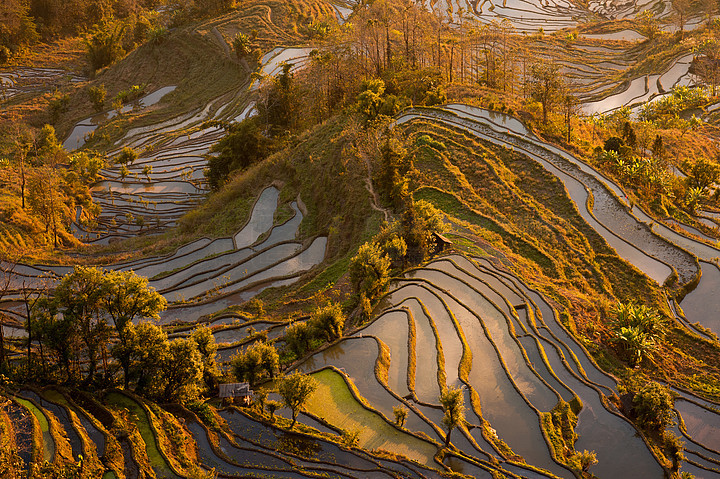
{"x":637,"y":344}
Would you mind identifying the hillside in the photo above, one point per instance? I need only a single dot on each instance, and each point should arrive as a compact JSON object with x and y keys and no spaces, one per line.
{"x":477,"y":241}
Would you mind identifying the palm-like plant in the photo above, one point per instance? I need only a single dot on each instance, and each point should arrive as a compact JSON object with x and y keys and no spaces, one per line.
{"x":638,"y":329}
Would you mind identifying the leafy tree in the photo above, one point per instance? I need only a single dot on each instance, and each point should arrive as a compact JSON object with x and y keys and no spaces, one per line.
{"x":17,"y":27}
{"x":207,"y":348}
{"x":56,"y":333}
{"x":702,"y":174}
{"x":278,"y":102}
{"x":706,"y":64}
{"x":104,"y":44}
{"x":147,"y":171}
{"x":396,"y":248}
{"x":127,"y":298}
{"x":653,"y":407}
{"x":420,"y":219}
{"x":400,"y":413}
{"x":298,"y":337}
{"x":58,"y":104}
{"x":273,"y":406}
{"x":79,"y":298}
{"x":85,"y":167}
{"x":126,"y":157}
{"x":649,"y":24}
{"x":258,"y":362}
{"x":392,"y":169}
{"x":453,"y":403}
{"x":46,"y":200}
{"x":145,"y":349}
{"x":681,"y":10}
{"x":260,"y":399}
{"x":182,"y":371}
{"x":243,"y":145}
{"x":370,"y":97}
{"x":369,"y":270}
{"x":329,"y":321}
{"x":295,"y":391}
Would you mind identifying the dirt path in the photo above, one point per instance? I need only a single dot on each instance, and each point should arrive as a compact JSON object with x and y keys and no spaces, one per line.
{"x":375,"y":203}
{"x":223,"y":43}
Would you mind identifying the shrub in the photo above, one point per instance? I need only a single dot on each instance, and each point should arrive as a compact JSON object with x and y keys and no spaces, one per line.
{"x":104,"y":45}
{"x":426,"y":140}
{"x":369,"y":270}
{"x":244,"y":145}
{"x":127,"y":156}
{"x":97,"y":96}
{"x":132,"y":93}
{"x":328,"y":322}
{"x":58,"y":104}
{"x":653,"y":407}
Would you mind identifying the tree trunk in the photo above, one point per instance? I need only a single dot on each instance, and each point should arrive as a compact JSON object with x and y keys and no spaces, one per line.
{"x":2,"y":343}
{"x":447,"y":438}
{"x":29,"y":338}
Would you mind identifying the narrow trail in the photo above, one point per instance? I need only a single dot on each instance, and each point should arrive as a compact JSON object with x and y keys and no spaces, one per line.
{"x":223,"y":43}
{"x":375,"y":203}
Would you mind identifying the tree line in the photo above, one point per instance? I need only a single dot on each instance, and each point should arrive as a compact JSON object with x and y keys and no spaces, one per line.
{"x":47,"y":184}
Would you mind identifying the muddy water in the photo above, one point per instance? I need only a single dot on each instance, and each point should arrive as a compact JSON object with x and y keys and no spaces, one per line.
{"x":356,"y":357}
{"x":392,"y":329}
{"x":526,"y":380}
{"x":426,"y":365}
{"x":702,"y":425}
{"x":570,"y":347}
{"x":261,"y":218}
{"x":447,"y":334}
{"x":703,"y":303}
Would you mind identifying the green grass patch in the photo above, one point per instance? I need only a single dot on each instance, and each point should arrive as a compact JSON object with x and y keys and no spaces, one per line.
{"x":48,"y":441}
{"x":334,"y":402}
{"x":141,"y":420}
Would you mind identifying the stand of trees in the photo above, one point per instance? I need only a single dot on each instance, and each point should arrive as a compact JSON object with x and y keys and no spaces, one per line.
{"x":93,"y":330}
{"x":48,"y":185}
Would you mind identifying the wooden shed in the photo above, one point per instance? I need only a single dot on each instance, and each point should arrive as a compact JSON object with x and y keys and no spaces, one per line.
{"x":236,"y":393}
{"x":441,"y":242}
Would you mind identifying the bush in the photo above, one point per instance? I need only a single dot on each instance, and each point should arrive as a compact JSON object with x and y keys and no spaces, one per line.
{"x":241,"y":147}
{"x":613,"y":144}
{"x":426,"y":140}
{"x":59,"y":103}
{"x":104,"y":45}
{"x":127,"y":156}
{"x":258,"y":362}
{"x":5,"y":54}
{"x":97,"y":96}
{"x":653,"y":407}
{"x":132,"y":93}
{"x":328,"y":322}
{"x":369,"y":270}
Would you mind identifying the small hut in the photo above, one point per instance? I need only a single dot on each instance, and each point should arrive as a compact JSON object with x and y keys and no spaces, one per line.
{"x":441,"y":242}
{"x":236,"y":393}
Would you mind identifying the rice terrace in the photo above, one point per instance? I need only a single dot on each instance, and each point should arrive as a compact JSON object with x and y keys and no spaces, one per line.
{"x":359,"y":239}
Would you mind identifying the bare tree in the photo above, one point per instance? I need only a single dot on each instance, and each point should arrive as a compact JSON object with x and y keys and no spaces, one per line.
{"x":545,"y":86}
{"x":681,"y":9}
